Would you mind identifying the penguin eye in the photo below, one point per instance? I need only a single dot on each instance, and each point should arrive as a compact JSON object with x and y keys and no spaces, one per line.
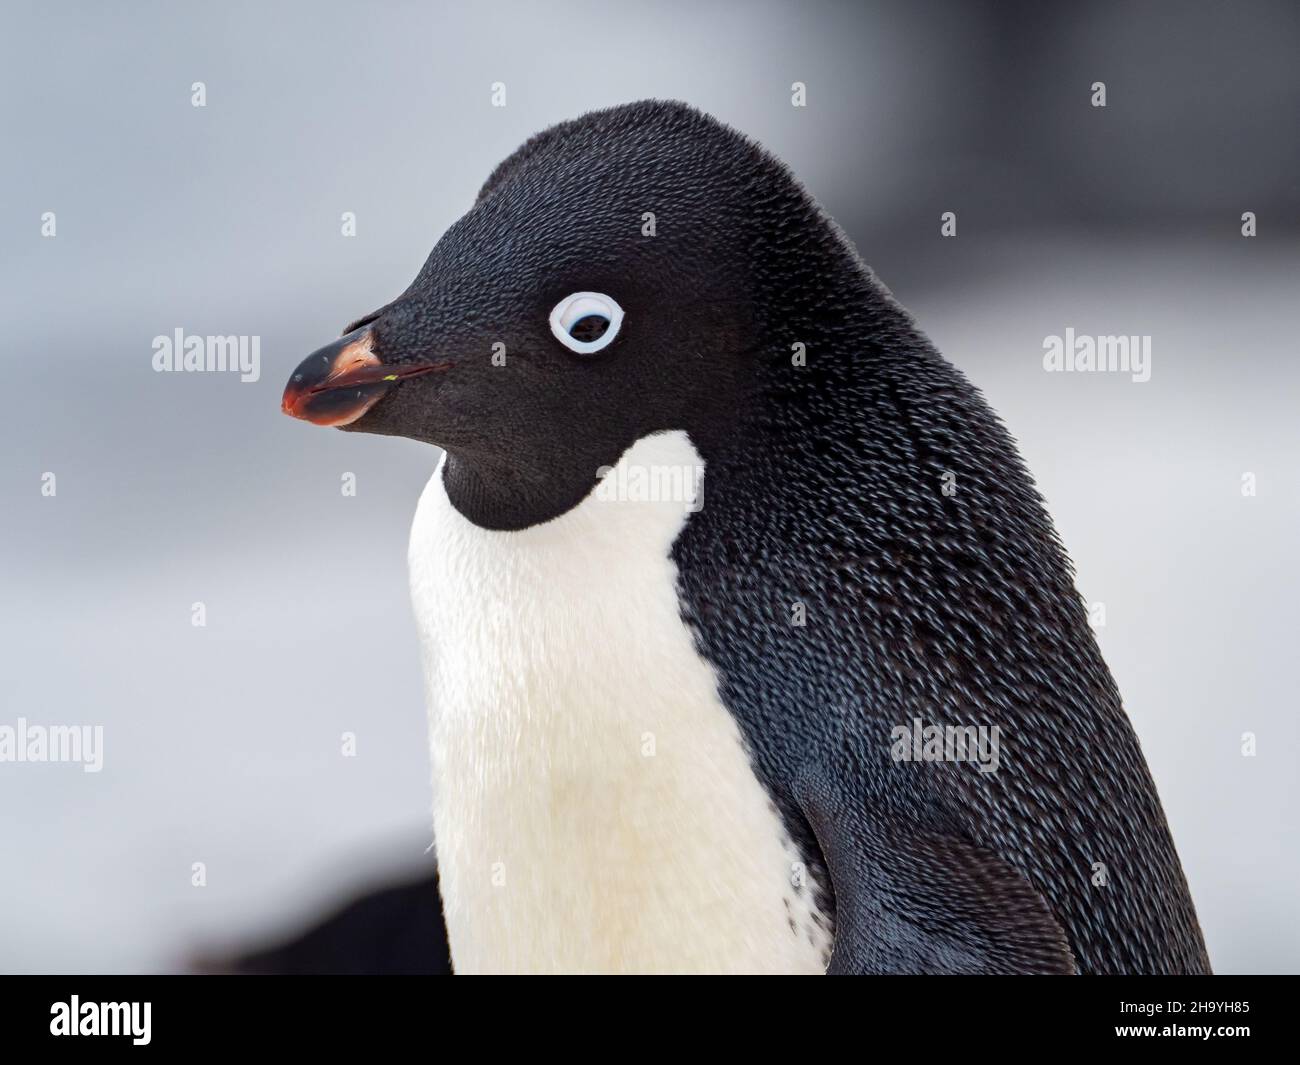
{"x":585,"y":322}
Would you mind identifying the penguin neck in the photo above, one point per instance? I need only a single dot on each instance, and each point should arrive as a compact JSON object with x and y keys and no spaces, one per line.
{"x":507,"y":496}
{"x":834,"y":348}
{"x":870,"y":446}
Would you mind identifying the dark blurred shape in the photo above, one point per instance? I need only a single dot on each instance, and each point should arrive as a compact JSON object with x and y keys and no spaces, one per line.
{"x":395,"y":932}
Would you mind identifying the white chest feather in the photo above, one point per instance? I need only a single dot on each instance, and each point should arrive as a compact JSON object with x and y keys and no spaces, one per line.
{"x":594,"y":807}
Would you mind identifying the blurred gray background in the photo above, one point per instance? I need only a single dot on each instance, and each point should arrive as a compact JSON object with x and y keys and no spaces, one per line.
{"x":222,"y":743}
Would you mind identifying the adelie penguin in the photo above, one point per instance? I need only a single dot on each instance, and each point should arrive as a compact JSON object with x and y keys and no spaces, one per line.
{"x":663,"y":722}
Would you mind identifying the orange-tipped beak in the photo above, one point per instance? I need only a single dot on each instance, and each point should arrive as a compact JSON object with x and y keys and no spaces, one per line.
{"x":339,"y":383}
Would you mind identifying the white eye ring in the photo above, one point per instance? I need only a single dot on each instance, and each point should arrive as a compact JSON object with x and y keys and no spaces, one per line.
{"x":574,"y":308}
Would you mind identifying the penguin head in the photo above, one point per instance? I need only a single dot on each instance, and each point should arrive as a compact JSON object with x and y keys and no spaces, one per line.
{"x":604,"y":286}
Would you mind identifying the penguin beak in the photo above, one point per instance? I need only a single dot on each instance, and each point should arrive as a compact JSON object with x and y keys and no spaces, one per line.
{"x":339,"y":383}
